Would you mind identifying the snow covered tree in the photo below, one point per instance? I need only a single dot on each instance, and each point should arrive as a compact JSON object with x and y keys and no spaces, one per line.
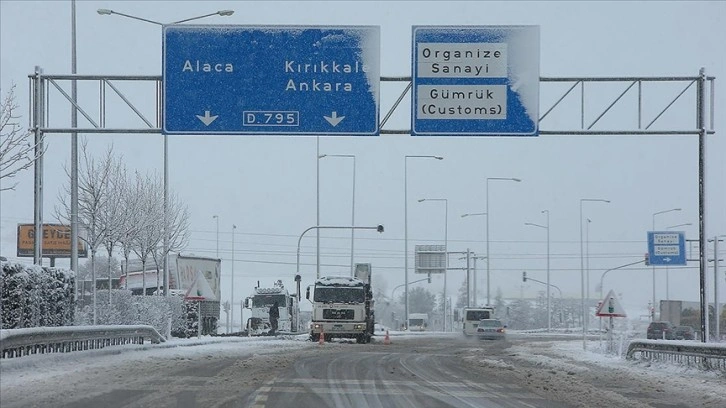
{"x":93,"y":196}
{"x":149,"y":234}
{"x":113,"y":216}
{"x":420,"y":300}
{"x":17,"y":146}
{"x":178,"y":221}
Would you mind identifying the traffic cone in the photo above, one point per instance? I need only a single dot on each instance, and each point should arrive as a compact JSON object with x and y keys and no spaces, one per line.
{"x":387,"y":339}
{"x":321,"y":340}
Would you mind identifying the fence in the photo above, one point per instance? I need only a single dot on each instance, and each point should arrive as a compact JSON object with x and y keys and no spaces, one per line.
{"x":40,"y":340}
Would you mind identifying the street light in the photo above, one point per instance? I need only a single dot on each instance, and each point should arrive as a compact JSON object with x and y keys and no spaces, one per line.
{"x":668,"y":295}
{"x":405,"y":223}
{"x":216,"y":218}
{"x":525,"y":278}
{"x":475,"y":271}
{"x":582,"y":268}
{"x":587,"y":266}
{"x":613,"y":269}
{"x":352,"y":221}
{"x":489,"y":257}
{"x":547,"y":227}
{"x":446,"y":243}
{"x":378,"y":228}
{"x":231,"y":300}
{"x":652,"y":314}
{"x":107,"y":12}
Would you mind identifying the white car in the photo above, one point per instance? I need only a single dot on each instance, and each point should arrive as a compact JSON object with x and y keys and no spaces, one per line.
{"x":491,"y":329}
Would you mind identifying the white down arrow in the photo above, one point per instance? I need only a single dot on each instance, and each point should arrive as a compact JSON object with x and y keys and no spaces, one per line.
{"x":334,"y":119}
{"x":206,"y":119}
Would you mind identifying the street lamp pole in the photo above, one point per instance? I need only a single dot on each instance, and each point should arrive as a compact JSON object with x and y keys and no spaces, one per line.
{"x":582,"y":269}
{"x":547,"y":227}
{"x":652,"y":314}
{"x":74,"y":152}
{"x":352,"y":221}
{"x":216,"y":218}
{"x":231,"y":297}
{"x":446,"y":243}
{"x":405,"y":224}
{"x":668,"y":294}
{"x":475,"y":272}
{"x":107,"y":12}
{"x":489,"y":257}
{"x":587,"y":267}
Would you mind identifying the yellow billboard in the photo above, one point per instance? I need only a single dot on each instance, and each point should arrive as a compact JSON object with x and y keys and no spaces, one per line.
{"x":56,"y":241}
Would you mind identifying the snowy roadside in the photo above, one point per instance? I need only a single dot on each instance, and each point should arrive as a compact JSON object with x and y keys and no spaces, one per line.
{"x":594,"y":365}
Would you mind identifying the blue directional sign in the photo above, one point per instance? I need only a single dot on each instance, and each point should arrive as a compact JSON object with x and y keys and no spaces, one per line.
{"x":264,"y":80}
{"x":666,"y":248}
{"x":477,"y":81}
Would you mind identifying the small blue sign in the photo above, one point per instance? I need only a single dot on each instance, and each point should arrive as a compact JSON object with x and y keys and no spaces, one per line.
{"x":476,"y":81}
{"x":666,"y":248}
{"x":265,"y":80}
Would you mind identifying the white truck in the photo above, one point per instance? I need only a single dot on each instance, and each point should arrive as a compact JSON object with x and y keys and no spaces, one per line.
{"x":343,"y":306}
{"x":471,"y":316}
{"x":418,"y":321}
{"x":258,"y":324}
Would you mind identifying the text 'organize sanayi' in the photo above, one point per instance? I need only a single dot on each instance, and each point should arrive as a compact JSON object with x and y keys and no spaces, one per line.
{"x":462,"y":60}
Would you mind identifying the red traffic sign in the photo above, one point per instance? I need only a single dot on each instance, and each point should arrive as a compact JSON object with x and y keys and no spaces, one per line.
{"x":610,"y":306}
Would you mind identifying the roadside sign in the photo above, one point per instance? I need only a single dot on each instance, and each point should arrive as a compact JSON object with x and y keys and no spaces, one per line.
{"x":56,"y":241}
{"x":200,"y":289}
{"x":610,"y":306}
{"x":666,"y":248}
{"x":430,"y":259}
{"x":271,"y":80}
{"x":475,"y":80}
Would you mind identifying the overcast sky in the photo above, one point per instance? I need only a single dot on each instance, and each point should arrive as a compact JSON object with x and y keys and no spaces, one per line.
{"x":266,"y":185}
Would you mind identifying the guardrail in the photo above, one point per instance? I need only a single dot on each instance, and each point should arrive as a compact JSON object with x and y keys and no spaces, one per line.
{"x":23,"y":342}
{"x":705,"y":356}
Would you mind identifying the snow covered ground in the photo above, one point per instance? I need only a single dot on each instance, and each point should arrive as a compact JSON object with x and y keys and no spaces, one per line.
{"x":566,"y":355}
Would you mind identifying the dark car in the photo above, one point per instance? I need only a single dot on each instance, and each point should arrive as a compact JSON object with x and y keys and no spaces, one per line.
{"x":661,"y":330}
{"x":685,"y":333}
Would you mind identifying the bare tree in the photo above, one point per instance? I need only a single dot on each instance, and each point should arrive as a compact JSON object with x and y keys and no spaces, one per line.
{"x":17,"y":146}
{"x":93,"y":176}
{"x":112,"y":217}
{"x":133,"y":192}
{"x":178,"y":218}
{"x":150,"y":232}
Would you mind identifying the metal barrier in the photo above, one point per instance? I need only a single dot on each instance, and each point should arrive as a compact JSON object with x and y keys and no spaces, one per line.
{"x":701,"y":355}
{"x":41,"y":340}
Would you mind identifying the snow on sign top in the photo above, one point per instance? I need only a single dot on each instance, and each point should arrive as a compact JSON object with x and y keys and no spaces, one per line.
{"x":610,"y":306}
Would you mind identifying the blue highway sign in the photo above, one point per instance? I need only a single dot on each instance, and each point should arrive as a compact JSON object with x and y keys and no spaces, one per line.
{"x":475,"y":80}
{"x":666,"y":248}
{"x":271,"y":80}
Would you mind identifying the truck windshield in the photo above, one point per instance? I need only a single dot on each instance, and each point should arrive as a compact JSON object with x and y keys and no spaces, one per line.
{"x":339,"y":295}
{"x":268,"y":300}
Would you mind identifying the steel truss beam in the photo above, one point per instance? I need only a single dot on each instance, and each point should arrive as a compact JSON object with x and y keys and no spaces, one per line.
{"x":596,"y":103}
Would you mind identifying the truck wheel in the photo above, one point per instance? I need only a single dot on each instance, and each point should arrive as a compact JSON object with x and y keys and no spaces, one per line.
{"x":314,"y":338}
